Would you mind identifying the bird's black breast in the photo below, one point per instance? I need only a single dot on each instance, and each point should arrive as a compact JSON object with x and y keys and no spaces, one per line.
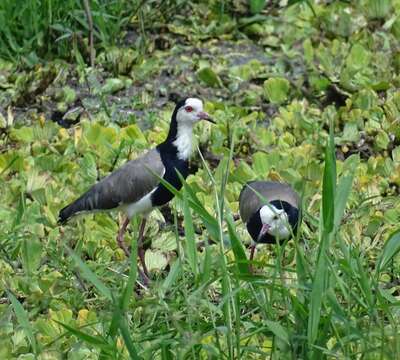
{"x":172,"y":165}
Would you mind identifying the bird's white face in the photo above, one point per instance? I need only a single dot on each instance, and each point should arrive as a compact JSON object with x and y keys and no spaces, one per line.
{"x":192,"y":112}
{"x":274,"y":222}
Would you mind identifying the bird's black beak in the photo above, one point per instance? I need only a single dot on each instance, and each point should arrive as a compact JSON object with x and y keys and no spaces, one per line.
{"x":204,"y":116}
{"x":263,"y":231}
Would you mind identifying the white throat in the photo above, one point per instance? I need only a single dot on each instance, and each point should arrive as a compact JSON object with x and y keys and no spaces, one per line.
{"x":184,"y":141}
{"x":277,"y":220}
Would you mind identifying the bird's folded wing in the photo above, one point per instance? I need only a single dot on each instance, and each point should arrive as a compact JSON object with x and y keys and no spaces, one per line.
{"x":126,"y":185}
{"x":258,"y":193}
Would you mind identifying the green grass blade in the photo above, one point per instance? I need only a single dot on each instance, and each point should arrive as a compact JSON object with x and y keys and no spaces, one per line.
{"x":316,"y":301}
{"x":128,"y":291}
{"x":329,"y":185}
{"x":90,"y":339}
{"x":206,"y":266}
{"x":390,"y":249}
{"x":326,"y":228}
{"x":191,"y":250}
{"x":302,"y":268}
{"x":23,"y":320}
{"x":172,"y":276}
{"x":364,"y":279}
{"x":278,"y":330}
{"x":237,"y":248}
{"x":90,"y":276}
{"x":343,"y":190}
{"x":123,"y":327}
{"x":226,"y":307}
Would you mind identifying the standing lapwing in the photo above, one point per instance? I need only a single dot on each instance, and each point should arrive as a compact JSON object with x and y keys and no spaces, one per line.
{"x":135,"y":188}
{"x":270,"y":211}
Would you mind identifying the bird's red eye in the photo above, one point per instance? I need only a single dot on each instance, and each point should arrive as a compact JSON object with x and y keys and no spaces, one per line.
{"x":188,"y":109}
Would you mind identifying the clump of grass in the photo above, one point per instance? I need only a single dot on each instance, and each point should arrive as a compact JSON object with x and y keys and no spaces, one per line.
{"x":34,"y":30}
{"x":322,"y":303}
{"x":31,"y":30}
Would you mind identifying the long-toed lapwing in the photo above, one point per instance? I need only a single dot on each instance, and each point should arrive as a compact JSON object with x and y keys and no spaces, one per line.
{"x":135,"y":188}
{"x":270,"y":211}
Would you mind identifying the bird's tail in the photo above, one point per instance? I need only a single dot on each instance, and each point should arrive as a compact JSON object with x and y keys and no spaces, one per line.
{"x":72,"y":209}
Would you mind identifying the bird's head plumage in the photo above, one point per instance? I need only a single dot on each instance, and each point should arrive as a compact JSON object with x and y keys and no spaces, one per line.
{"x":274,"y":222}
{"x":189,"y":111}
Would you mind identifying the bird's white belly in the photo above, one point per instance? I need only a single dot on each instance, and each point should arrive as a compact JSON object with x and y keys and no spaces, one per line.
{"x":142,"y":206}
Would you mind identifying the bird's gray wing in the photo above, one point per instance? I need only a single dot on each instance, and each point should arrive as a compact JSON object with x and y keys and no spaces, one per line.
{"x":255,"y":194}
{"x":126,"y":185}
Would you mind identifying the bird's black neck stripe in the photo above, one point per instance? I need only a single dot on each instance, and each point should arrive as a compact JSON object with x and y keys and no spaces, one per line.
{"x":291,"y":211}
{"x":173,"y":127}
{"x":172,"y":163}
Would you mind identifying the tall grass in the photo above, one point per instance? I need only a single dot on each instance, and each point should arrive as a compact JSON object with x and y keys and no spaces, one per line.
{"x":35,"y":30}
{"x":42,"y":29}
{"x":322,"y":303}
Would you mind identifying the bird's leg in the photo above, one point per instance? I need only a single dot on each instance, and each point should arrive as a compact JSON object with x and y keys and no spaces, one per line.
{"x":120,"y":237}
{"x":141,"y":251}
{"x":252,"y":251}
{"x":122,"y":245}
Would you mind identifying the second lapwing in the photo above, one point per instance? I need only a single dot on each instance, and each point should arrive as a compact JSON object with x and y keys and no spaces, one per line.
{"x":270,"y":211}
{"x":135,"y":188}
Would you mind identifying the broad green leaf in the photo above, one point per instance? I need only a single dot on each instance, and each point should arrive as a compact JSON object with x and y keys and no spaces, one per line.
{"x":88,"y":168}
{"x":378,"y":9}
{"x":396,"y":154}
{"x":276,"y":90}
{"x":382,"y":140}
{"x":133,"y":132}
{"x":23,"y":134}
{"x":261,"y":164}
{"x":256,"y":6}
{"x":209,"y":77}
{"x":112,"y":86}
{"x":359,"y":57}
{"x":350,"y":133}
{"x":308,"y":51}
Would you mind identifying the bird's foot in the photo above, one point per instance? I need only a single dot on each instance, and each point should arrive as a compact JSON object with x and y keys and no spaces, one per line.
{"x":141,"y":253}
{"x":143,"y":280}
{"x":120,"y":237}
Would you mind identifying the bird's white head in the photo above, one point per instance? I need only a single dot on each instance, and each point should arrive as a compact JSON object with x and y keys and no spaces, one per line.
{"x":274,"y":222}
{"x":191,"y":112}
